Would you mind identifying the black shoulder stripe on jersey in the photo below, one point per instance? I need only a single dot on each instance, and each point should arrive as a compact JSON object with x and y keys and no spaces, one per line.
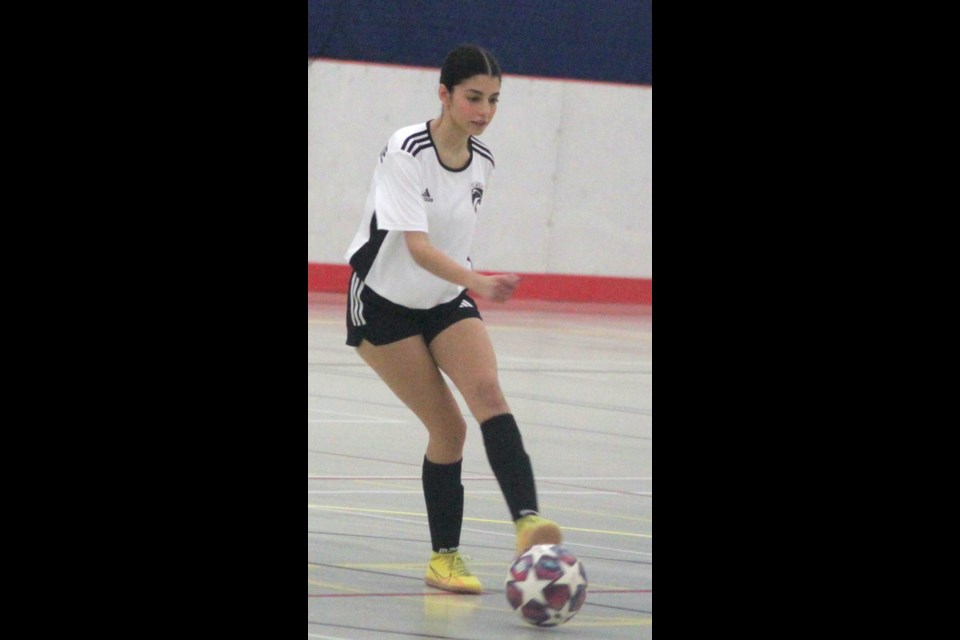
{"x":420,"y":146}
{"x":485,"y":154}
{"x":482,"y":149}
{"x":414,"y":139}
{"x":476,"y":143}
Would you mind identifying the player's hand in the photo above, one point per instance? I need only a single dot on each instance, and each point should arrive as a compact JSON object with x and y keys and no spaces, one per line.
{"x":498,"y":288}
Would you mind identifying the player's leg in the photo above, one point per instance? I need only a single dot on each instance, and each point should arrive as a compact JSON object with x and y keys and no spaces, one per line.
{"x":407,"y":367}
{"x":464,"y":352}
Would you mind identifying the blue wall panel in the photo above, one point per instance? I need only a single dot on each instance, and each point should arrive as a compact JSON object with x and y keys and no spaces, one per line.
{"x":605,"y":40}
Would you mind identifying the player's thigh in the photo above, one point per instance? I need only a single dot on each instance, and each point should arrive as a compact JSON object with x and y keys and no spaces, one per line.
{"x":465,"y":353}
{"x":408,"y":368}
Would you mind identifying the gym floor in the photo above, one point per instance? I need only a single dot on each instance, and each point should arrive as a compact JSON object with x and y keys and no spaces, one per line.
{"x":578,"y":377}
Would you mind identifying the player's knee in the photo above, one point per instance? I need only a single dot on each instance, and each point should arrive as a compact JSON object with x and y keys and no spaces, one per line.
{"x":450,"y":439}
{"x":489,"y":396}
{"x":450,"y":427}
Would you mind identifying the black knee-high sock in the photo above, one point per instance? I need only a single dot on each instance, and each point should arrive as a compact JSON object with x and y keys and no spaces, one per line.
{"x":443,"y":494}
{"x":510,"y":463}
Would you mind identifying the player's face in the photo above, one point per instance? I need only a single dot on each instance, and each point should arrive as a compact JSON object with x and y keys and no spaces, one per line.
{"x":473,"y":103}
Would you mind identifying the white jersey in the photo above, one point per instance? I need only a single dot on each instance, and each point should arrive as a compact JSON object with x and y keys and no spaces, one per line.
{"x":413,"y":191}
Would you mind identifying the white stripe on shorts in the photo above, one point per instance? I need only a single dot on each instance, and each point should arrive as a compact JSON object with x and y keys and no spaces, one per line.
{"x":356,"y":305}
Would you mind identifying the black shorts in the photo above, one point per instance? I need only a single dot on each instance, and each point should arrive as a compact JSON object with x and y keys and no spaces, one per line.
{"x":373,"y":318}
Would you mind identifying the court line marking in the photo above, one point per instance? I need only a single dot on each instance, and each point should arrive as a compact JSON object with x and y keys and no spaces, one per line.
{"x":342,"y":421}
{"x":340,"y":413}
{"x":581,"y":490}
{"x":582,"y":620}
{"x":318,"y":507}
{"x":414,"y":492}
{"x":510,"y":535}
{"x":541,"y":398}
{"x":576,"y":478}
{"x":380,"y":567}
{"x":403,"y":566}
{"x":603,"y":514}
{"x":419,"y":594}
{"x":612,"y":622}
{"x":327,"y":585}
{"x":358,"y":417}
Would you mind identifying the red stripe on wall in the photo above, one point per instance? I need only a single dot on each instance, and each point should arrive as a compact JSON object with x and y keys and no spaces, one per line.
{"x":533,"y":286}
{"x":328,"y":277}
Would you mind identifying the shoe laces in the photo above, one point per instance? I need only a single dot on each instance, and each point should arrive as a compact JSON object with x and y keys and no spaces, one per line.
{"x":457,"y":566}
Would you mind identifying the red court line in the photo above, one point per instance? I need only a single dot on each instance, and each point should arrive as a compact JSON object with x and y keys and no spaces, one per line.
{"x":381,"y":595}
{"x":335,"y":278}
{"x":382,"y":478}
{"x":446,"y":593}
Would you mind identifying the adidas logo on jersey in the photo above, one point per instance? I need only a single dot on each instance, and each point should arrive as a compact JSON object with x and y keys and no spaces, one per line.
{"x":426,"y":196}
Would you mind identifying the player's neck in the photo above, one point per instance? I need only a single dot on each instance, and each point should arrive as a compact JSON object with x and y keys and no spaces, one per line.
{"x":451,"y":141}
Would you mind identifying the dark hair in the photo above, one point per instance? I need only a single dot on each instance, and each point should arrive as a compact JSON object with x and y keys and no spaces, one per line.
{"x":465,"y":62}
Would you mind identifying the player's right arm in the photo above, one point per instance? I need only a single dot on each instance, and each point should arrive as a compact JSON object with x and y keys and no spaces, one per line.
{"x":497,"y":287}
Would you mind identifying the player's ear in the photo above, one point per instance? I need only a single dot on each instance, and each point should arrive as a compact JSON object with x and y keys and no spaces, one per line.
{"x":444,"y":93}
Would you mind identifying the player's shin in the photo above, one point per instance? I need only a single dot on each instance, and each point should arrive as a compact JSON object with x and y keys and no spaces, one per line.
{"x":510,"y":464}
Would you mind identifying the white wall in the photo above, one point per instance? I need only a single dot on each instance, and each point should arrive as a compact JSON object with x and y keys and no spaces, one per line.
{"x":572,"y":192}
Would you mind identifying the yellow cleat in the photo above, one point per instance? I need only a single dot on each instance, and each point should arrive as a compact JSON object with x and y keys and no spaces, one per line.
{"x":448,"y":572}
{"x":533,"y":530}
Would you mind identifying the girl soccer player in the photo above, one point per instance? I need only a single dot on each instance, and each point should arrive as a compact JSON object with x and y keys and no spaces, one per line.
{"x":410,"y":317}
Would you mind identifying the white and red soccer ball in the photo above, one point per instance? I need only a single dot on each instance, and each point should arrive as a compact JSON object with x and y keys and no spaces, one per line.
{"x":546,"y":585}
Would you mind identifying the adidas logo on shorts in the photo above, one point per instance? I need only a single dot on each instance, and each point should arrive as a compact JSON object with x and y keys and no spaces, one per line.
{"x":466,"y":305}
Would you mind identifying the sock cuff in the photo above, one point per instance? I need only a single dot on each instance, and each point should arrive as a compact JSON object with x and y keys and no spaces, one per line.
{"x":496,"y":423}
{"x":447,"y":470}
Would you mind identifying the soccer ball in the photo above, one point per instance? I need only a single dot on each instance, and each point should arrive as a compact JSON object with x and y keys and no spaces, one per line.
{"x":546,"y":585}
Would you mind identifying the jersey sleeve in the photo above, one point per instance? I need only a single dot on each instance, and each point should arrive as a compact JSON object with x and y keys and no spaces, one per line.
{"x":399,"y":204}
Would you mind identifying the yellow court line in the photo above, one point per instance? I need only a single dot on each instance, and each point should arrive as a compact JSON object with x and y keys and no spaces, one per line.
{"x":554,"y":507}
{"x":491,"y":498}
{"x":338,"y":587}
{"x":387,"y":511}
{"x":605,"y":532}
{"x":401,"y":566}
{"x":612,"y":622}
{"x":417,"y":566}
{"x":483,"y":520}
{"x":437,"y":606}
{"x":406,"y":565}
{"x":410,"y":566}
{"x":394,"y":485}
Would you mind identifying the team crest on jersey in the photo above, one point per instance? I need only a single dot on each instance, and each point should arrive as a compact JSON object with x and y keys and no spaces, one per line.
{"x":477,"y":192}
